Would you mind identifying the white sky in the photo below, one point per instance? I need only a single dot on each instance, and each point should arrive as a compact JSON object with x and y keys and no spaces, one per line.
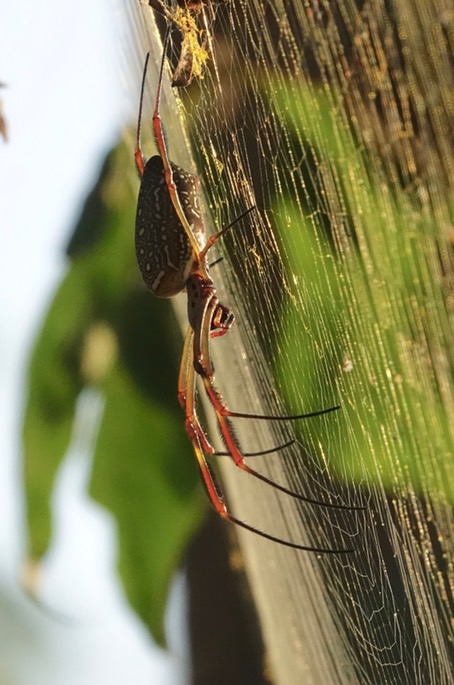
{"x":63,"y":108}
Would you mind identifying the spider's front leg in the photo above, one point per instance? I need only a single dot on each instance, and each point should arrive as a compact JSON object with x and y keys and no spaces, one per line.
{"x":166,"y":163}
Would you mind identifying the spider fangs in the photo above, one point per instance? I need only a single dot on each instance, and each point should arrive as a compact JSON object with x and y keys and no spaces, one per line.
{"x":171,"y":249}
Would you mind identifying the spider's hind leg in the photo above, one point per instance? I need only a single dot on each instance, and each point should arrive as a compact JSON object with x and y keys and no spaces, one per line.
{"x":203,"y":366}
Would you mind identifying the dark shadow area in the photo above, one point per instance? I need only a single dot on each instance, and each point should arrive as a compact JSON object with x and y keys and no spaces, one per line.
{"x":225,"y":641}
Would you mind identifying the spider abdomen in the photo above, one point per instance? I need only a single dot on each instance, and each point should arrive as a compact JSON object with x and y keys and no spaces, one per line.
{"x":163,"y":250}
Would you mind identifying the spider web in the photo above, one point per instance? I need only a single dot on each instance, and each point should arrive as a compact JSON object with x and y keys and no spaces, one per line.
{"x":334,"y":120}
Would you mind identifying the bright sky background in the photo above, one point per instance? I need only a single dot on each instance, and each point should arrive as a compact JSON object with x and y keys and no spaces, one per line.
{"x":64,"y":105}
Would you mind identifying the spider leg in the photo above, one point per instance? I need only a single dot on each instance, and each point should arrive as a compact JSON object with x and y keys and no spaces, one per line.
{"x":201,"y":446}
{"x":271,"y":450}
{"x":212,"y":239}
{"x":204,"y":368}
{"x":186,"y":396}
{"x":193,"y":427}
{"x":138,"y":155}
{"x":198,"y":254}
{"x":184,"y":371}
{"x":168,"y":174}
{"x":221,"y":509}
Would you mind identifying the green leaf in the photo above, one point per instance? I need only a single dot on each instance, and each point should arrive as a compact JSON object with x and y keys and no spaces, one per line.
{"x":103,"y":330}
{"x":372,"y":307}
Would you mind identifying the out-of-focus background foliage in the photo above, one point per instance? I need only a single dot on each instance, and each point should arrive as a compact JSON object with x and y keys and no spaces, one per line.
{"x":65,"y":102}
{"x":89,"y":385}
{"x":105,"y":332}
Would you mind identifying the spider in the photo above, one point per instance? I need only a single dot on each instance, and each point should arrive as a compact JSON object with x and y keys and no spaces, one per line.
{"x":171,"y":250}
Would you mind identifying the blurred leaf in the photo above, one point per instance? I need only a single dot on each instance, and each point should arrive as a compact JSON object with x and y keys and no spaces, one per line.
{"x":104,"y":330}
{"x":376,"y":312}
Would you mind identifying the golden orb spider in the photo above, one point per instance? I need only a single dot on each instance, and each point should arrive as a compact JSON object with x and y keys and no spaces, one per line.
{"x":171,"y":250}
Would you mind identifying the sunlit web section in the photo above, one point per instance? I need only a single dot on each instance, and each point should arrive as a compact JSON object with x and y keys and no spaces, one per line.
{"x":336,"y":124}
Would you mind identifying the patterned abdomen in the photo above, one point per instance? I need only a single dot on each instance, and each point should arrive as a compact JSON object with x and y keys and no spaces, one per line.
{"x":164,"y":253}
